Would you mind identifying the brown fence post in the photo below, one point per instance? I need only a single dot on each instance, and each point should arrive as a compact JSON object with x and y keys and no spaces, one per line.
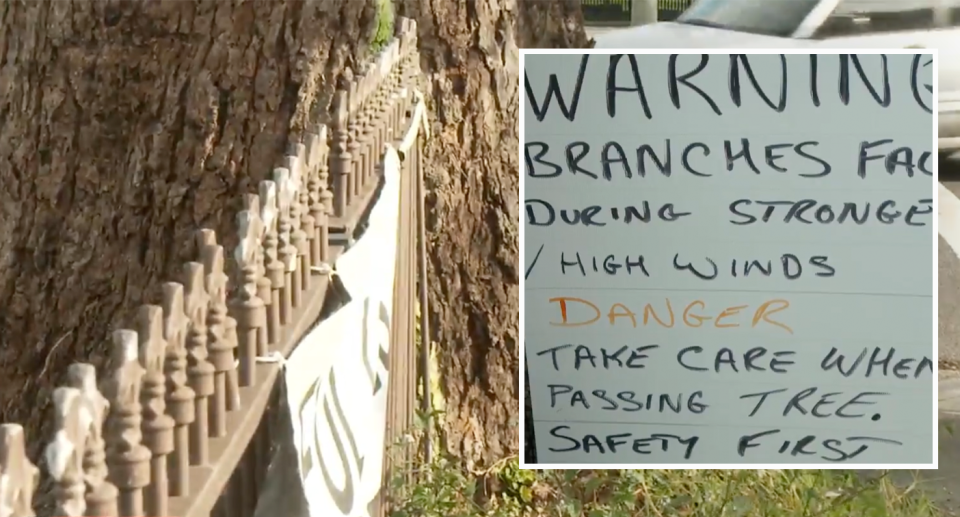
{"x":286,"y":250}
{"x":384,"y":87}
{"x":157,"y":425}
{"x":319,"y":195}
{"x":301,"y":220}
{"x":22,"y":476}
{"x":251,"y":203}
{"x":221,"y":339}
{"x":249,"y":309}
{"x":291,"y":260}
{"x":199,"y":370}
{"x":221,"y":327}
{"x":313,"y":204}
{"x":101,"y":494}
{"x":180,"y":397}
{"x":366,"y":137}
{"x":272,"y":265}
{"x":404,"y":90}
{"x":64,"y":455}
{"x":127,"y":459}
{"x":358,"y":123}
{"x":326,"y":170}
{"x":325,"y":196}
{"x":342,"y":161}
{"x":374,"y":100}
{"x":396,"y":85}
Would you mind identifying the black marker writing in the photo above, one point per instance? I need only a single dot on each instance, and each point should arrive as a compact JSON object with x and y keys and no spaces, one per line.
{"x":542,"y":213}
{"x":611,"y":265}
{"x":622,"y":160}
{"x":620,"y":357}
{"x":612,"y":443}
{"x":565,"y":395}
{"x":810,"y":211}
{"x":881,"y":362}
{"x":686,"y":85}
{"x":901,"y":158}
{"x":836,"y":449}
{"x":553,"y":88}
{"x":845,"y":60}
{"x":756,"y":359}
{"x":822,"y":405}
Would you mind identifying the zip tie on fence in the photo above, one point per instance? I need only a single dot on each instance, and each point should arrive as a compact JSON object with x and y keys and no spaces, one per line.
{"x":272,"y":357}
{"x":418,"y":95}
{"x":417,"y":122}
{"x":323,"y":269}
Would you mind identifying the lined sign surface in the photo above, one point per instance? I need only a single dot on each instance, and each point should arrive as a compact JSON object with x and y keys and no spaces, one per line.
{"x":729,"y":258}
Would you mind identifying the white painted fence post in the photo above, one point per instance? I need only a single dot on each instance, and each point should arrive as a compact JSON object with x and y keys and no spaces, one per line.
{"x":643,"y":12}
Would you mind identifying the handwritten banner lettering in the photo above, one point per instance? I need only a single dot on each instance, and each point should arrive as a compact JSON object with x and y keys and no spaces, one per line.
{"x":729,"y":258}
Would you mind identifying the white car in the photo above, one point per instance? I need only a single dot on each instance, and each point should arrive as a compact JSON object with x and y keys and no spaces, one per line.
{"x":836,"y":23}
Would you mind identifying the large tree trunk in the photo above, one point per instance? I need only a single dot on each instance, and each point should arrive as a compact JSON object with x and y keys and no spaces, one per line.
{"x":470,"y":51}
{"x":127,"y":126}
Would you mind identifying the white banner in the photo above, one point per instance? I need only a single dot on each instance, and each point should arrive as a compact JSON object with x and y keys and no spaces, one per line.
{"x":337,"y":377}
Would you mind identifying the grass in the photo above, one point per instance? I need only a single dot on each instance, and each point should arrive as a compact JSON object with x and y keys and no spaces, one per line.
{"x":445,"y":490}
{"x":384,"y":26}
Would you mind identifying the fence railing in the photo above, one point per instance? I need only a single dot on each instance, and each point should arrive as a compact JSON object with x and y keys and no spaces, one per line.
{"x":181,"y":423}
{"x":619,"y":12}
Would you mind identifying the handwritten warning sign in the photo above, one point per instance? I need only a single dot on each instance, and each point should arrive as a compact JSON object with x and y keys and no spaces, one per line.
{"x":729,"y":258}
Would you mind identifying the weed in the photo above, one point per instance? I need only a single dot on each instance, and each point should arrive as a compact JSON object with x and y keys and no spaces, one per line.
{"x":446,"y":490}
{"x":384,"y":30}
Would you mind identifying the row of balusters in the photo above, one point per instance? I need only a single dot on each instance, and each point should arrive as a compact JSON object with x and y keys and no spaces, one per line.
{"x":125,"y":445}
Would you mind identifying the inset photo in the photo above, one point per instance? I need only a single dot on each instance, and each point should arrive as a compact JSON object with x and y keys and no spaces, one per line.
{"x":729,"y":259}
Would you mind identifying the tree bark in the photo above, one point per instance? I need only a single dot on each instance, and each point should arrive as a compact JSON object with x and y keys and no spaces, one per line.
{"x":470,"y":52}
{"x":127,"y":126}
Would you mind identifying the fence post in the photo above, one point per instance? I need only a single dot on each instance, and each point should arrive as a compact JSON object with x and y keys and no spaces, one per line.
{"x":257,"y":239}
{"x":180,"y":397}
{"x":199,"y":370}
{"x":221,"y":327}
{"x":272,"y":265}
{"x":296,"y":163}
{"x":128,"y":460}
{"x":221,"y":336}
{"x":342,"y":160}
{"x":319,"y":195}
{"x":643,"y":12}
{"x":286,"y":250}
{"x":157,"y":425}
{"x":22,"y":475}
{"x":64,"y":455}
{"x":384,"y":86}
{"x":101,"y":494}
{"x":306,"y":229}
{"x":248,"y":307}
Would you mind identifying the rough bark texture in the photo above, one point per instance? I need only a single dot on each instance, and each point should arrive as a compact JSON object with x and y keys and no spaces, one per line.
{"x":470,"y":52}
{"x":127,"y":126}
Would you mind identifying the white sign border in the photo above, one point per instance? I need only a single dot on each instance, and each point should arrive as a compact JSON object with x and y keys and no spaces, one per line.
{"x":933,"y":244}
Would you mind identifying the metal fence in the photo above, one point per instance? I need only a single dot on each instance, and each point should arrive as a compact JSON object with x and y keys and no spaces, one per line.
{"x":668,"y":10}
{"x":181,"y":423}
{"x":618,"y":12}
